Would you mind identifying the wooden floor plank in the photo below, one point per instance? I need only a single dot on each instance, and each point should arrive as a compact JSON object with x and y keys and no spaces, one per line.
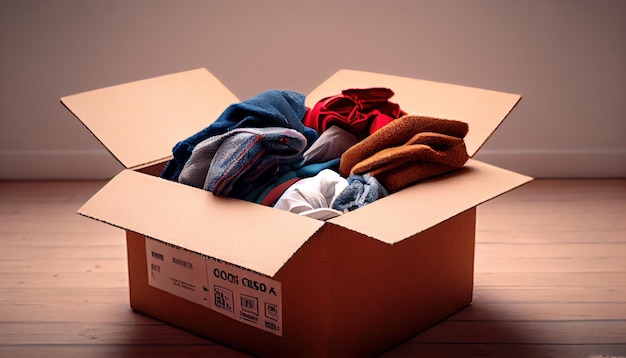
{"x":120,"y":351}
{"x":54,"y":280}
{"x":528,"y":332}
{"x":18,"y":252}
{"x":443,"y":350}
{"x":550,"y":279}
{"x":78,"y":265}
{"x":148,"y":333}
{"x":551,"y":264}
{"x":553,"y":295}
{"x":534,"y":311}
{"x":538,"y":236}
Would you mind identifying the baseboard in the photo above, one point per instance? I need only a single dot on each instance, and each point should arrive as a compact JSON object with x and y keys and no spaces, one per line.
{"x":57,"y":165}
{"x":560,"y":163}
{"x":99,"y":164}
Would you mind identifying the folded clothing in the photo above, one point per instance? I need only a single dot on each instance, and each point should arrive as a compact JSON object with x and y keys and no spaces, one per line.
{"x":231,"y":163}
{"x":273,"y":108}
{"x":361,"y":190}
{"x":359,"y":111}
{"x":407,"y":150}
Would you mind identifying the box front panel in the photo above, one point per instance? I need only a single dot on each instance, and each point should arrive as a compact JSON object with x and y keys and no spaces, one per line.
{"x":186,"y":314}
{"x":242,"y":295}
{"x":302,"y":298}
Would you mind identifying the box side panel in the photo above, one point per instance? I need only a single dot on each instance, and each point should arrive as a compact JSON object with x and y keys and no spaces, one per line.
{"x":384,"y":294}
{"x":482,"y":109}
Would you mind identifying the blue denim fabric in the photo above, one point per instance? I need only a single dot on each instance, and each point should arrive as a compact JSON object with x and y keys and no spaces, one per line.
{"x":273,"y":108}
{"x":361,"y":190}
{"x":231,"y":163}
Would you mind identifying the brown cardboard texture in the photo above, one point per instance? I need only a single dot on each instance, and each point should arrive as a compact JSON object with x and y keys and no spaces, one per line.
{"x":270,"y":282}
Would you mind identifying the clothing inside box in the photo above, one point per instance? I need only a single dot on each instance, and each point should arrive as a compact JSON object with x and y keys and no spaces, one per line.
{"x":345,"y":152}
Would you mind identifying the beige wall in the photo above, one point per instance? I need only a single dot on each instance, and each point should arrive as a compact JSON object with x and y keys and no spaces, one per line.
{"x":566,"y":57}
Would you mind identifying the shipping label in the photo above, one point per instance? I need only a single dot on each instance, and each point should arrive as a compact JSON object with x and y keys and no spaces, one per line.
{"x":241,"y":294}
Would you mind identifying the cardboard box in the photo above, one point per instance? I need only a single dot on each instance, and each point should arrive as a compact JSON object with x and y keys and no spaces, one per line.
{"x":270,"y":282}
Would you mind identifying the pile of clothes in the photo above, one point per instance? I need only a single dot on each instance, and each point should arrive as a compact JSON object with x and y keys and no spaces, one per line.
{"x":347,"y":151}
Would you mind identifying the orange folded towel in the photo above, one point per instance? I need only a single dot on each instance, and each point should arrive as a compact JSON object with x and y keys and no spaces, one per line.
{"x":407,"y":150}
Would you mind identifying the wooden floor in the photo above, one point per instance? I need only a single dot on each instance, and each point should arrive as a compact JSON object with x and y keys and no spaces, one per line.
{"x":550,"y":280}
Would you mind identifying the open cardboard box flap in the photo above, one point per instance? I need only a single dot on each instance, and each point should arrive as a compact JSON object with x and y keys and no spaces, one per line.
{"x":140,"y":122}
{"x":253,"y":236}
